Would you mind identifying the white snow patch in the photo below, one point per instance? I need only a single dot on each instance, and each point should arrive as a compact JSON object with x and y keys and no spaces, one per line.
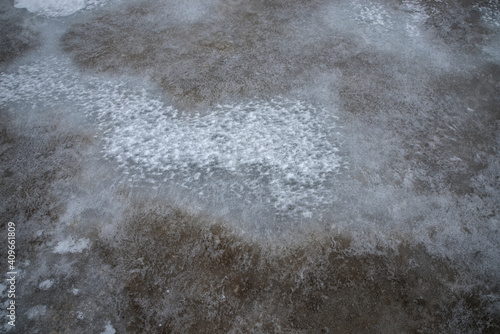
{"x":71,"y":246}
{"x":47,"y":284}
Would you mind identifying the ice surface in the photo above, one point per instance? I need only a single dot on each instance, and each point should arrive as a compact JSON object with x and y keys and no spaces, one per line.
{"x":37,"y":311}
{"x":284,"y":153}
{"x":410,"y":15}
{"x":369,"y":18}
{"x":396,"y":187}
{"x":71,"y":246}
{"x":57,"y":7}
{"x":372,"y":13}
{"x":417,"y":17}
{"x":109,"y":329}
{"x":490,"y":13}
{"x":284,"y":148}
{"x":45,"y":285}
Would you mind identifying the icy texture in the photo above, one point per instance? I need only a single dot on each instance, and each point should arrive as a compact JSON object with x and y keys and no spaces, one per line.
{"x":280,"y":150}
{"x":410,"y":14}
{"x":71,"y":246}
{"x":109,"y":329}
{"x":401,"y":23}
{"x":37,"y":311}
{"x":490,"y":12}
{"x":372,"y":13}
{"x":57,"y":7}
{"x":284,"y":153}
{"x":410,"y":233}
{"x":19,"y":33}
{"x":45,"y":285}
{"x":417,"y":14}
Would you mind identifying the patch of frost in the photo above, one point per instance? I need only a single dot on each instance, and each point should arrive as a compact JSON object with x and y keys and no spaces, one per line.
{"x":71,"y":246}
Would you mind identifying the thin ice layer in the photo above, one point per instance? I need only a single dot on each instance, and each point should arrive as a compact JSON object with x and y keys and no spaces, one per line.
{"x":279,"y":153}
{"x":56,"y":7}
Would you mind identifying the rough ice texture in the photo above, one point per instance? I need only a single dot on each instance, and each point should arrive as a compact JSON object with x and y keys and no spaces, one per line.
{"x":56,"y":7}
{"x":19,"y":33}
{"x":45,"y":285}
{"x":283,"y":153}
{"x":109,"y":329}
{"x":245,"y":49}
{"x":413,"y":241}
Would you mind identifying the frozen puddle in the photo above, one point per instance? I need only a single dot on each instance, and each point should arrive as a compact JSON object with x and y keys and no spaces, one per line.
{"x":280,"y":155}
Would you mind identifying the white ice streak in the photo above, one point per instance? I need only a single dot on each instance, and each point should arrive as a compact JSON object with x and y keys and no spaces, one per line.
{"x":284,"y":153}
{"x":57,"y":7}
